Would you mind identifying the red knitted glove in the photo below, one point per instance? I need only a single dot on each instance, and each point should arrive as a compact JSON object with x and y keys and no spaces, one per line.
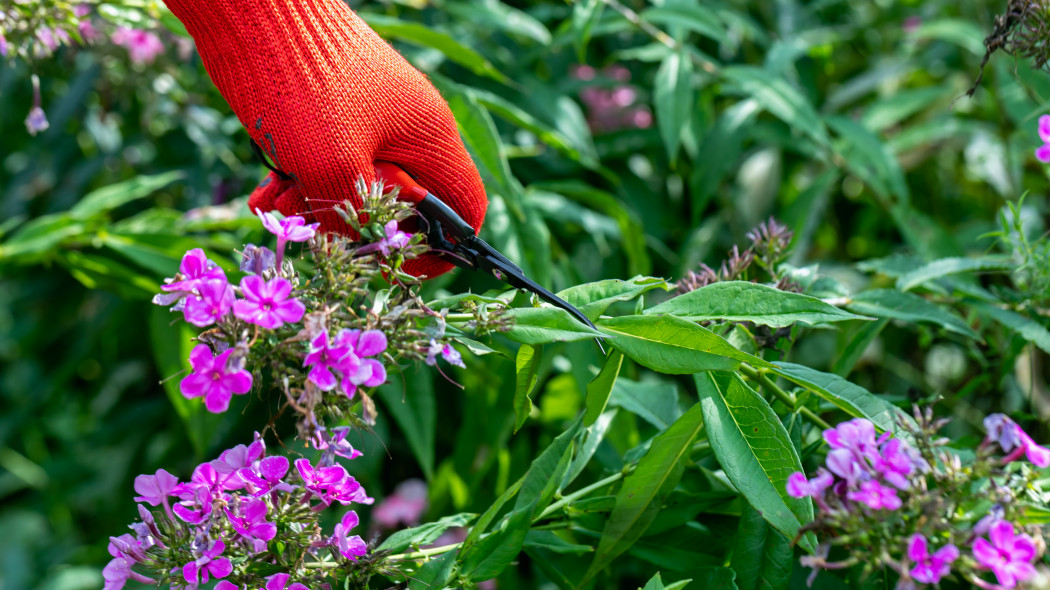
{"x":325,"y":97}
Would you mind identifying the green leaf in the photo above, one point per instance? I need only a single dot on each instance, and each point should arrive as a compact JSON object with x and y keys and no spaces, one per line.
{"x":754,"y":450}
{"x":654,"y":402}
{"x":588,"y":445}
{"x":762,"y":557}
{"x":433,"y":574}
{"x":1025,"y":327}
{"x":601,"y":387}
{"x":489,"y":515}
{"x":540,"y":325}
{"x":673,"y":97}
{"x":655,"y":583}
{"x":964,"y":33}
{"x":580,"y":149}
{"x":493,"y":553}
{"x":644,"y":490}
{"x":693,"y":16}
{"x":171,"y":340}
{"x":418,"y":34}
{"x":552,"y":542}
{"x":869,"y":158}
{"x":855,"y":347}
{"x":779,"y":98}
{"x":594,"y":298}
{"x":669,"y":344}
{"x":110,"y":197}
{"x":413,"y":406}
{"x":949,"y":266}
{"x":543,"y":479}
{"x":39,"y":237}
{"x":585,"y":14}
{"x":908,"y":307}
{"x":424,"y":534}
{"x":741,"y":301}
{"x":847,"y":396}
{"x":527,"y":363}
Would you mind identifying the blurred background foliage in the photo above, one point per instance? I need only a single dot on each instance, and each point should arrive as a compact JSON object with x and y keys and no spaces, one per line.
{"x":615,"y":140}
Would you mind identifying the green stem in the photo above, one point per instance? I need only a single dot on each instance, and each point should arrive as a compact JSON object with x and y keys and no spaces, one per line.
{"x":782,"y":395}
{"x":580,"y":493}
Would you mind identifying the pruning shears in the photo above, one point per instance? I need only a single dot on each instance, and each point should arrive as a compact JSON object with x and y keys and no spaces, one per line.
{"x":454,"y":240}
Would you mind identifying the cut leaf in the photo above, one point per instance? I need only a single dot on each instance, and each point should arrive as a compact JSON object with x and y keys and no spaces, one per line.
{"x":540,"y":325}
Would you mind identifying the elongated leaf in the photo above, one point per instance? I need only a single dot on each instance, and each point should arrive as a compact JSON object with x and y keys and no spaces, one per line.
{"x":869,"y":158}
{"x":673,"y":97}
{"x":741,"y":301}
{"x":552,"y":542}
{"x":754,"y":450}
{"x":424,"y":534}
{"x":851,"y":398}
{"x":908,"y":307}
{"x":949,"y":266}
{"x":418,"y":34}
{"x":540,"y":325}
{"x":655,"y":583}
{"x":433,"y":574}
{"x":570,"y":146}
{"x":594,"y":298}
{"x":585,"y":14}
{"x":669,"y":344}
{"x":762,"y":557}
{"x":779,"y":98}
{"x":855,"y":347}
{"x":113,"y":196}
{"x":39,"y":237}
{"x":587,"y":444}
{"x":414,"y":409}
{"x":654,"y":402}
{"x":643,"y":491}
{"x":527,"y":363}
{"x":693,"y":16}
{"x":495,"y":552}
{"x":544,"y":477}
{"x":1026,"y":328}
{"x":490,"y":514}
{"x":599,"y":389}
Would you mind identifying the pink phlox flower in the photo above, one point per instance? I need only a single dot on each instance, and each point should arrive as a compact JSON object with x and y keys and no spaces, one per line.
{"x":857,"y":435}
{"x":52,"y":38}
{"x":208,"y":564}
{"x":875,"y":496}
{"x":257,"y":259}
{"x":845,"y":464}
{"x":325,"y":354}
{"x":895,"y":463}
{"x":251,"y":523}
{"x":349,"y":491}
{"x":268,"y":303}
{"x":799,"y":487}
{"x":147,"y":531}
{"x":213,"y":302}
{"x":349,"y":547}
{"x":451,"y":355}
{"x":1007,"y":554}
{"x":929,"y":569}
{"x":205,"y":487}
{"x":280,"y":582}
{"x":289,"y":229}
{"x":266,"y":476}
{"x":320,"y":480}
{"x":155,"y":489}
{"x":356,"y":368}
{"x":195,"y":507}
{"x":1042,"y":153}
{"x":334,"y":444}
{"x":405,"y":506}
{"x":232,"y":460}
{"x":143,"y":46}
{"x":3,"y":45}
{"x":214,"y":379}
{"x":36,"y":121}
{"x":1014,"y":440}
{"x":194,"y":270}
{"x":118,"y":571}
{"x":394,"y":240}
{"x":127,"y":546}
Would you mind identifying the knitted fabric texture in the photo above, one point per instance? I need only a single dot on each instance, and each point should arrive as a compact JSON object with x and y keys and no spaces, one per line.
{"x":325,"y":97}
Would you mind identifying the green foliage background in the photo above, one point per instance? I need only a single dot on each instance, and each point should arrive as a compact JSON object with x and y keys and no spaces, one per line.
{"x":845,"y":120}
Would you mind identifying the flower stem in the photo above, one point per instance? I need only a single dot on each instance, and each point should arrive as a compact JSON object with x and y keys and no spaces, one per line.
{"x":782,"y":395}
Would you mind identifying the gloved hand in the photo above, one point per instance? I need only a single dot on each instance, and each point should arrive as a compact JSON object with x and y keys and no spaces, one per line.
{"x":325,"y":97}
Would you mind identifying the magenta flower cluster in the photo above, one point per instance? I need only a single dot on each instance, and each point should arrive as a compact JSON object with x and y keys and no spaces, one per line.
{"x":864,"y":477}
{"x":342,"y":361}
{"x":223,"y":519}
{"x":860,"y":469}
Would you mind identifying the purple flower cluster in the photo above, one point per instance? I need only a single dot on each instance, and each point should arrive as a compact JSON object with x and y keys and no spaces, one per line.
{"x":221,"y":522}
{"x":345,"y":356}
{"x":615,"y":107}
{"x":860,"y":469}
{"x":143,"y":46}
{"x":864,"y":476}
